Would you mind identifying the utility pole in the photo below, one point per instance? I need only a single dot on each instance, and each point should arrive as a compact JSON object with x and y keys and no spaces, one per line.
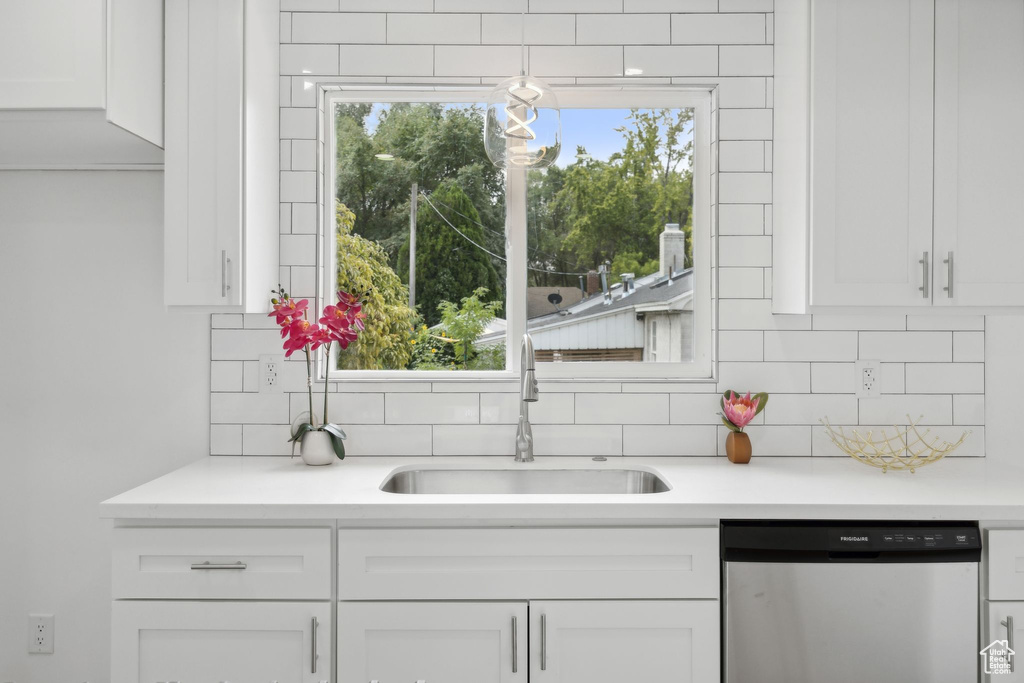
{"x":412,"y":245}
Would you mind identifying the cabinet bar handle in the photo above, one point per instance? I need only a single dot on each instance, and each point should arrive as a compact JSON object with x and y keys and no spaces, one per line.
{"x":543,"y":642}
{"x":315,"y":655}
{"x":924,"y":275}
{"x":210,"y":565}
{"x":515,"y":646}
{"x":225,"y":264}
{"x":949,"y":275}
{"x":1008,"y":623}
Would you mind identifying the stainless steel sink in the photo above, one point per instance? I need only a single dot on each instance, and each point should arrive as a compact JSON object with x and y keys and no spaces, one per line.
{"x":523,"y":481}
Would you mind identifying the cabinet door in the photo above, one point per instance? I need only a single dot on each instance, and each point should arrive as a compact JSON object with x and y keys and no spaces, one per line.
{"x":157,"y":641}
{"x":979,"y":152}
{"x":871,"y":151}
{"x":203,"y":152}
{"x":611,"y":641}
{"x":435,"y":642}
{"x":999,"y":617}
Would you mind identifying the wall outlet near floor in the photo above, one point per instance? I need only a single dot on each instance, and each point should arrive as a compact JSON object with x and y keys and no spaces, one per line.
{"x":40,"y":634}
{"x":270,"y":379}
{"x":868,"y":378}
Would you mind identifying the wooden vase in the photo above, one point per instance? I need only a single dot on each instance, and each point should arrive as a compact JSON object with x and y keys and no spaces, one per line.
{"x":737,"y":447}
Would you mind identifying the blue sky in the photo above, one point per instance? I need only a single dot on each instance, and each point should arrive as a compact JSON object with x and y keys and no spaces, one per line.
{"x":592,"y":128}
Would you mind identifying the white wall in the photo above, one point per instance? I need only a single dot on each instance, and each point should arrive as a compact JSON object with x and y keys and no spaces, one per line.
{"x":101,"y":390}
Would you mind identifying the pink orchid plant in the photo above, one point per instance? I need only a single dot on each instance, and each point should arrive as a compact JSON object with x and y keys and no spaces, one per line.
{"x":341,"y":323}
{"x":738,"y":411}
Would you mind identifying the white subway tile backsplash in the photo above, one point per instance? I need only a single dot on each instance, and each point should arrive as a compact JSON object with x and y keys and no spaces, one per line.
{"x":935,"y":409}
{"x":745,"y":188}
{"x":756,"y":314}
{"x":582,"y":439}
{"x":334,"y":27}
{"x":788,"y":378}
{"x":741,"y":155}
{"x":304,"y":218}
{"x":343,"y":409}
{"x":228,"y":321}
{"x":243,"y":344}
{"x":661,"y":440}
{"x":490,"y":439}
{"x":945,"y":322}
{"x":622,"y":29}
{"x":774,"y":440}
{"x":968,"y":347}
{"x":504,"y":409}
{"x":622,"y":409}
{"x":946,"y":378}
{"x":298,"y":186}
{"x":399,"y":440}
{"x":934,"y":347}
{"x":545,"y":6}
{"x":973,"y":445}
{"x":741,"y":219}
{"x":387,"y":5}
{"x":695,"y":409}
{"x":548,"y":29}
{"x":746,"y":5}
{"x":670,"y":5}
{"x":298,"y":123}
{"x":674,"y":60}
{"x":586,"y":60}
{"x":267,"y":439}
{"x":718,"y":29}
{"x":746,"y":345}
{"x":741,"y":93}
{"x":969,"y":409}
{"x":807,"y":409}
{"x":741,"y":283}
{"x":745,"y":124}
{"x":811,"y":346}
{"x":309,"y":5}
{"x":742,"y":251}
{"x":745,"y":60}
{"x":387,"y":60}
{"x":847,"y":321}
{"x":226,"y":376}
{"x":427,"y":409}
{"x":238,"y":408}
{"x":298,"y":250}
{"x":433,"y":29}
{"x":303,"y":155}
{"x":317,"y":60}
{"x":476,"y":60}
{"x":225,"y":439}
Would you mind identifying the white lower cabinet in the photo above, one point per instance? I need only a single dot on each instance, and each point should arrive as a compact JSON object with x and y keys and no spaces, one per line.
{"x":1004,"y":621}
{"x":561,"y":641}
{"x":442,"y":642}
{"x":165,"y":642}
{"x":611,"y":641}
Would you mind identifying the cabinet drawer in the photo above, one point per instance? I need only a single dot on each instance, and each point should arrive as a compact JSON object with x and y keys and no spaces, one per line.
{"x":195,"y":563}
{"x":427,"y":564}
{"x":1006,"y":564}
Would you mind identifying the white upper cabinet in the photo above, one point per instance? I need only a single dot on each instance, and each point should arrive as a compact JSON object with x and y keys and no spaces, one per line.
{"x":979,"y":152}
{"x":221,"y":162}
{"x":81,"y":83}
{"x":871,"y":151}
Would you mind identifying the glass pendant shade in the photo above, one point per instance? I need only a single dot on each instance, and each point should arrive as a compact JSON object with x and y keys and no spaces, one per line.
{"x":523,"y":128}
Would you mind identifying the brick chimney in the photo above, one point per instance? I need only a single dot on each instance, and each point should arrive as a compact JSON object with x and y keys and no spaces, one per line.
{"x":593,"y":283}
{"x":672,"y":254}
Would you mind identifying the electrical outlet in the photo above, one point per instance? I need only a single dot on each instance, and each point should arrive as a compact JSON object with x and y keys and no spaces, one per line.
{"x":40,"y":634}
{"x":868,"y":378}
{"x":270,"y":378}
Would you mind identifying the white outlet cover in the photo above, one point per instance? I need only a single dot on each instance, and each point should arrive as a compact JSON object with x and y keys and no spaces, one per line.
{"x":40,"y":634}
{"x":266,"y":386}
{"x":859,"y":389}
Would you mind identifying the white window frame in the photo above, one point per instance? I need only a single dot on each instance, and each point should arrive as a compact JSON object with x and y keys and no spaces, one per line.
{"x":570,"y":97}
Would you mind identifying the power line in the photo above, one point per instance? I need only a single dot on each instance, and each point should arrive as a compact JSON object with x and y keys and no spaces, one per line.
{"x":535,"y":250}
{"x":482,"y":248}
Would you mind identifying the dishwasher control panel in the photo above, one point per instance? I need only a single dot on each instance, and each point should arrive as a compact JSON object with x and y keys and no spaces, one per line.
{"x":902,"y":538}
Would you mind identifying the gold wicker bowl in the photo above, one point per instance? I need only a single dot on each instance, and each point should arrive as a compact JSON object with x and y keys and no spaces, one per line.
{"x":906,"y":449}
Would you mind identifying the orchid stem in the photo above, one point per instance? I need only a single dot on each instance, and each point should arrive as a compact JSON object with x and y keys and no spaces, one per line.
{"x":309,"y":385}
{"x":327,"y":372}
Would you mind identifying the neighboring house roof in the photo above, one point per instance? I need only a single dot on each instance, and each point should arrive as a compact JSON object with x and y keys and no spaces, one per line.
{"x":537,"y":303}
{"x":651,"y":293}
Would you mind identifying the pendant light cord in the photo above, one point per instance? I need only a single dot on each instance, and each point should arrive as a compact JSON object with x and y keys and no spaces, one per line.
{"x":522,"y":41}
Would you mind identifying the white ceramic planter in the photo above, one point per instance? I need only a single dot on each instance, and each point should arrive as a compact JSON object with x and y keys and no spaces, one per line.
{"x":316,"y":449}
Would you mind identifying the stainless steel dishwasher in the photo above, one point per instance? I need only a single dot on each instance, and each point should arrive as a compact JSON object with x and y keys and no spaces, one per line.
{"x":850,"y":602}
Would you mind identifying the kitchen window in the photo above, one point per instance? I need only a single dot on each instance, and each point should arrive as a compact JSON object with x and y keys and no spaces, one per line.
{"x":604,"y":258}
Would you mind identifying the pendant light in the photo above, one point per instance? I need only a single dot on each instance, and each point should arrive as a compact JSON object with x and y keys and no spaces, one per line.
{"x":523,"y":128}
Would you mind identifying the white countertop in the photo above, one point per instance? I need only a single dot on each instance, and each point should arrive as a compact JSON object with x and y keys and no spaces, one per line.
{"x":703,"y":489}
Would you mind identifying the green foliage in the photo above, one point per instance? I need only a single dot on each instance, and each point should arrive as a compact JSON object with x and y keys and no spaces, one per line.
{"x":464,"y":324}
{"x":386,"y":343}
{"x":452,"y":345}
{"x":448,"y":267}
{"x":631,"y":262}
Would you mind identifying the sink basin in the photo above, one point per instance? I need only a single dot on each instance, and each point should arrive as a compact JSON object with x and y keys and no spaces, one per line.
{"x":524,"y":481}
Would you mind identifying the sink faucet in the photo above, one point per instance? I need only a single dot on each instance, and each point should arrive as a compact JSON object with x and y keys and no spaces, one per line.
{"x":527,"y":394}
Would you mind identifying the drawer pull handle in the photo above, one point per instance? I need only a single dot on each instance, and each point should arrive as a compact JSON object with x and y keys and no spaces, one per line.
{"x":949,"y":275}
{"x":515,"y":645}
{"x":1008,"y":623}
{"x":212,"y":565}
{"x":924,"y":275}
{"x":543,"y":642}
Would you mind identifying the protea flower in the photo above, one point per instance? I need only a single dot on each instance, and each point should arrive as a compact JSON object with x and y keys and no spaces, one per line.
{"x":738,"y":411}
